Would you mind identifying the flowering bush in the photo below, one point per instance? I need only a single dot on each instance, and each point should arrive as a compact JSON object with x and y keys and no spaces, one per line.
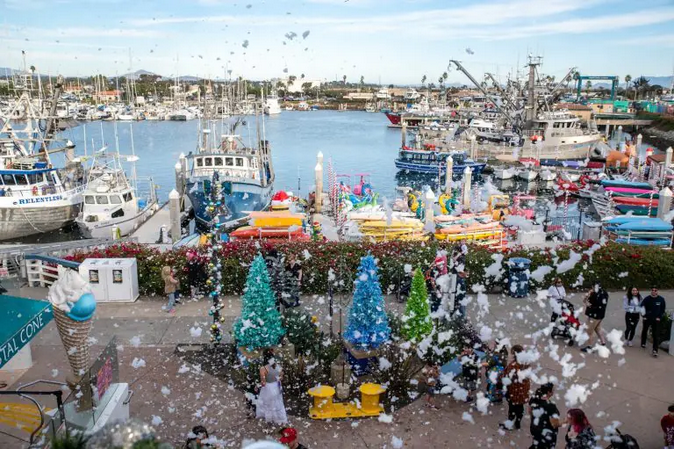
{"x":334,"y":264}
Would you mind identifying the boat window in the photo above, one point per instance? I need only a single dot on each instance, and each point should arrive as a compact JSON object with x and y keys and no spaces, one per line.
{"x":88,"y":199}
{"x":218,"y":162}
{"x":128,"y":197}
{"x":200,"y":163}
{"x":239,"y":162}
{"x":118,"y":213}
{"x":33,"y":178}
{"x":229,"y":161}
{"x":21,"y":180}
{"x":101,"y":199}
{"x":8,"y":180}
{"x":115,"y":199}
{"x":208,"y":161}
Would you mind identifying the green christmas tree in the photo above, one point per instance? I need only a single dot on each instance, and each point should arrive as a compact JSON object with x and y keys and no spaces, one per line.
{"x":417,"y":322}
{"x":259,"y":325}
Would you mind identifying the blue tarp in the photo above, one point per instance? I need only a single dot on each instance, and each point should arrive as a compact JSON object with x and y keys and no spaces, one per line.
{"x":21,"y":320}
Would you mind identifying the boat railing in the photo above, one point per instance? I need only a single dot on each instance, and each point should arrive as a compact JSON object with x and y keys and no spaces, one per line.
{"x":28,"y":191}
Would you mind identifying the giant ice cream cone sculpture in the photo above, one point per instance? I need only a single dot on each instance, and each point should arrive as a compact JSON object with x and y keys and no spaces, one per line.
{"x":73,"y":308}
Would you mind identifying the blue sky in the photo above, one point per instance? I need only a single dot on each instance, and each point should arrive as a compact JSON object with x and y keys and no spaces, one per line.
{"x":395,"y":41}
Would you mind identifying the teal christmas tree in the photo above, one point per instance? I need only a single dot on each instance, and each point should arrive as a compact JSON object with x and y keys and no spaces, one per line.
{"x":368,"y":325}
{"x":260,"y":323}
{"x":417,"y":322}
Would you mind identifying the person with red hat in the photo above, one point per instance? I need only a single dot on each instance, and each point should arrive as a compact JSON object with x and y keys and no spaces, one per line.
{"x":289,"y":438}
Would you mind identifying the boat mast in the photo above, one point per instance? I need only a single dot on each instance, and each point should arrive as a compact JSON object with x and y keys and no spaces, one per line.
{"x":481,"y":89}
{"x":133,"y":159}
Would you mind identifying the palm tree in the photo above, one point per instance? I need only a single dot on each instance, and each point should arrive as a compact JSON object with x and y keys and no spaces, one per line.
{"x":641,"y":83}
{"x":423,"y":80}
{"x":344,"y":79}
{"x":588,"y":86}
{"x":362,"y":80}
{"x":628,"y":78}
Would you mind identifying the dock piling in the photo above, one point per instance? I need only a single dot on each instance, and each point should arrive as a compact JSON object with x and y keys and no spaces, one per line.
{"x":449,"y":172}
{"x":174,"y":214}
{"x":467,"y":175}
{"x":668,"y":162}
{"x":665,"y":202}
{"x":319,"y":182}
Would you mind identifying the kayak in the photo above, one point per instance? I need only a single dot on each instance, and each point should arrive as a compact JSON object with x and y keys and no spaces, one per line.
{"x":471,"y":236}
{"x":623,"y":183}
{"x":646,"y":224}
{"x":635,"y":195}
{"x":458,"y":229}
{"x":645,"y":242}
{"x":276,"y":219}
{"x":637,"y":210}
{"x":636,"y":201}
{"x":254,"y":232}
{"x":631,"y":190}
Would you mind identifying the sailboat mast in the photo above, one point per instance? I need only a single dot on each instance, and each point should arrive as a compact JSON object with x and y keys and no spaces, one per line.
{"x":134,"y":175}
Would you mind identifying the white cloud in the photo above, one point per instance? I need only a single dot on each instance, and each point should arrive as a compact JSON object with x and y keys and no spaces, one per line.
{"x":660,"y":39}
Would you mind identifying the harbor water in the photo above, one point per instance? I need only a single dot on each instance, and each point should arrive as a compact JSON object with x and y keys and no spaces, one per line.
{"x":356,"y":143}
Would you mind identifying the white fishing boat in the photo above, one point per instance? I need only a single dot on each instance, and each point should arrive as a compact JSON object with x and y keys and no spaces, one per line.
{"x":505,"y":173}
{"x":112,"y":206}
{"x":527,"y":174}
{"x":181,"y":115}
{"x":35,"y":197}
{"x":547,"y":175}
{"x":271,"y":105}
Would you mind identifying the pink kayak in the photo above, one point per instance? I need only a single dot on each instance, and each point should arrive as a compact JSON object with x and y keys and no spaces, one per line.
{"x":629,"y":190}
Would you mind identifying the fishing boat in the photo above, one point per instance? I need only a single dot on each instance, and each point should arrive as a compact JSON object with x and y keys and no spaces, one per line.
{"x":528,"y":172}
{"x":271,"y":105}
{"x":505,"y":173}
{"x":112,"y":206}
{"x":246,"y":175}
{"x":547,"y":175}
{"x":435,"y":162}
{"x":36,"y":197}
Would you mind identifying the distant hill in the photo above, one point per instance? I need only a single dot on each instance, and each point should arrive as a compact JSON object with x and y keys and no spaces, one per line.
{"x":664,"y":81}
{"x":136,"y":75}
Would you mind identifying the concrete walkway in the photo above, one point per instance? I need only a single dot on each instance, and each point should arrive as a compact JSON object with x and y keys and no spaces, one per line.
{"x":635,"y":391}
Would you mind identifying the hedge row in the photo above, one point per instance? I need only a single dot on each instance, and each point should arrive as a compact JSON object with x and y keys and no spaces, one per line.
{"x":335,"y":263}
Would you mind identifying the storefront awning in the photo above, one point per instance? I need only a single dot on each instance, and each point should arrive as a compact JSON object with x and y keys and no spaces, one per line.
{"x":21,"y":319}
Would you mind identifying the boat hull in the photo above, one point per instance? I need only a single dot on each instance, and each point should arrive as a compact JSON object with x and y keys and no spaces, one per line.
{"x":22,"y":217}
{"x":435,"y":169}
{"x":244,"y":199}
{"x":103,"y":229}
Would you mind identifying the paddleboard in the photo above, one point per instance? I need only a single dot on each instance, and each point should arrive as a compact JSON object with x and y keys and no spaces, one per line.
{"x":645,"y":242}
{"x":624,"y":183}
{"x":631,"y":190}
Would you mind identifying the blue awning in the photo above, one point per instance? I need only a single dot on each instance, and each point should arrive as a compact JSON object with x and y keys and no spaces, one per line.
{"x":21,"y":319}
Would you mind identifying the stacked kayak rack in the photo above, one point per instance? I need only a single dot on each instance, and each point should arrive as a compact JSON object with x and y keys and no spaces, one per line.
{"x":639,"y":230}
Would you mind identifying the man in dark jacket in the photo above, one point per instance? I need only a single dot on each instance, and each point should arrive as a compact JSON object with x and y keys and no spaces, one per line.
{"x":653,"y":308}
{"x":595,"y":302}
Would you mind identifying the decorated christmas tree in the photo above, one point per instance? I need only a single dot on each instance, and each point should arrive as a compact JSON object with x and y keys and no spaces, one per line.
{"x":260,"y":323}
{"x":215,"y":207}
{"x":367,"y":326}
{"x":417,"y":322}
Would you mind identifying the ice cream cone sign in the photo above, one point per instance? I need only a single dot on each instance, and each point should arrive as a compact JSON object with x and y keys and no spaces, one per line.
{"x":73,"y":307}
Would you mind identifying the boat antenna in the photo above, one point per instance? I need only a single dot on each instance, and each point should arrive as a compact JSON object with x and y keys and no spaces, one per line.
{"x":84,"y":131}
{"x":133,"y":159}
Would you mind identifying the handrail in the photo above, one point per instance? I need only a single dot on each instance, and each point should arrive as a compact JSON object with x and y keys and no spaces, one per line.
{"x":56,"y":260}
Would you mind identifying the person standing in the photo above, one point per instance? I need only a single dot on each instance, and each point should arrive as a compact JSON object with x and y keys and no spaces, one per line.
{"x":667,"y":424}
{"x":470,"y":371}
{"x":545,"y":419}
{"x":195,"y":272}
{"x":631,"y":304}
{"x":170,"y":287}
{"x":595,"y":302}
{"x":517,"y":389}
{"x":579,"y":434}
{"x":431,"y":374}
{"x":653,"y":308}
{"x":270,"y":401}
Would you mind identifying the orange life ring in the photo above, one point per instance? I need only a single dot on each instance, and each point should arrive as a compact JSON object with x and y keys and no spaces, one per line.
{"x":35,"y":192}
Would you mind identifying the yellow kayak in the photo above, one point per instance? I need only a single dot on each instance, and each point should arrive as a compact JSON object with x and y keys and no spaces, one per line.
{"x":470,"y":236}
{"x":277,"y":219}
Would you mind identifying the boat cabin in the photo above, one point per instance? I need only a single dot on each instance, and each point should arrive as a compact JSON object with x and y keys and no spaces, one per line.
{"x":103,"y":205}
{"x":228,"y":165}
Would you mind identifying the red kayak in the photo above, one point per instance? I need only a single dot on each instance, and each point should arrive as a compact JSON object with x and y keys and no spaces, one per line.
{"x":254,"y":232}
{"x":635,"y":201}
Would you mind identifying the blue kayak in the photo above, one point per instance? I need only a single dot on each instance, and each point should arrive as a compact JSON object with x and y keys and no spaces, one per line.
{"x":620,"y":220}
{"x":650,"y":224}
{"x":623,"y":183}
{"x":645,"y":242}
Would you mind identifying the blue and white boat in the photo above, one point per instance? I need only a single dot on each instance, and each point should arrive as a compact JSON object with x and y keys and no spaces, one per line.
{"x":435,"y":162}
{"x":245,"y":174}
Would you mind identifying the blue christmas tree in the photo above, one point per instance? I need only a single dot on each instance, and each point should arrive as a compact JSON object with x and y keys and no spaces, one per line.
{"x":260,"y":323}
{"x":367,"y":325}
